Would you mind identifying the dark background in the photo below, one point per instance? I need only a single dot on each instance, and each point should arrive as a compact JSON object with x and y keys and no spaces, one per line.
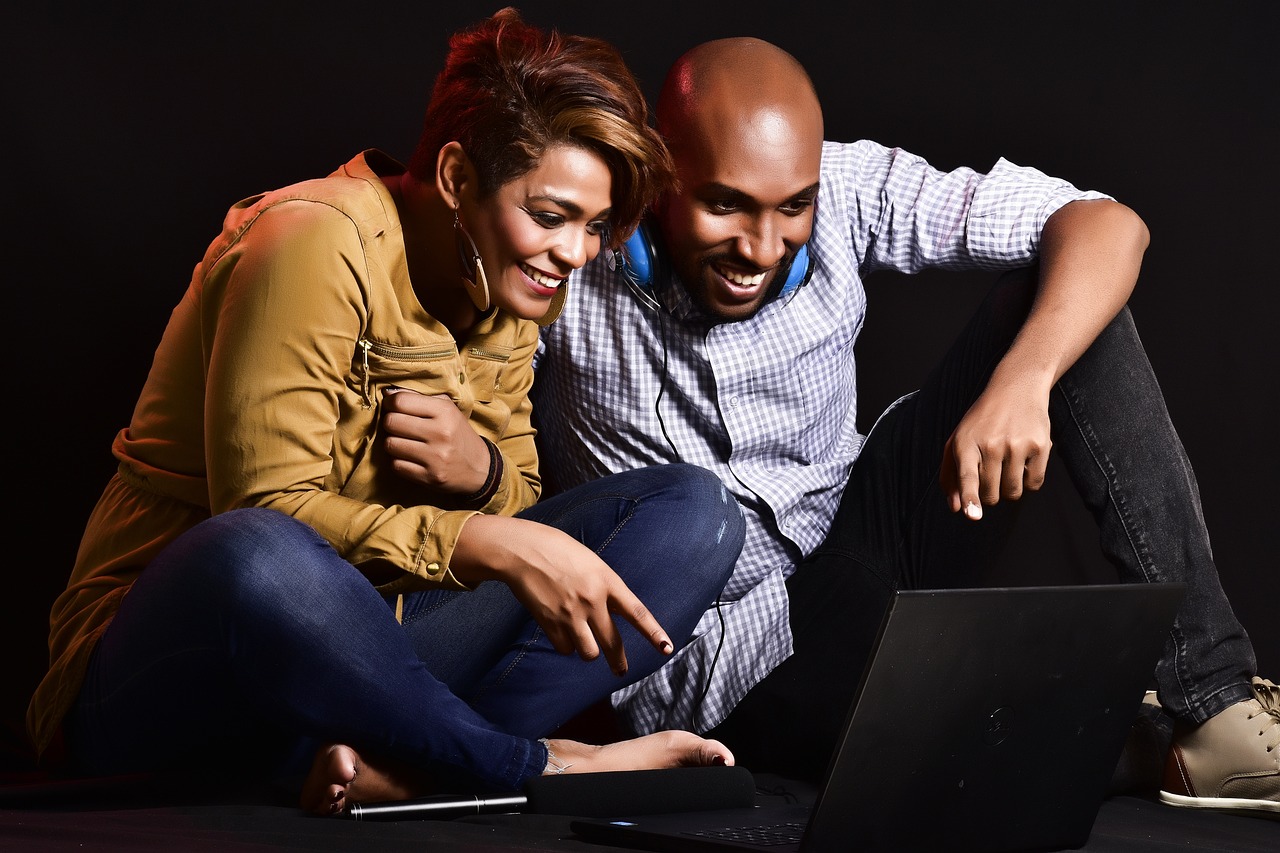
{"x":131,"y":129}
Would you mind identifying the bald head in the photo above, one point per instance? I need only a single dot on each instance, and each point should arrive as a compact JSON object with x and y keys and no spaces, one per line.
{"x":743,"y":85}
{"x":744,"y":127}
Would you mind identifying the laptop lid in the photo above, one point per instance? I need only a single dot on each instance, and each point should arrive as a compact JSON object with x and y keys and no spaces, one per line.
{"x":986,"y":719}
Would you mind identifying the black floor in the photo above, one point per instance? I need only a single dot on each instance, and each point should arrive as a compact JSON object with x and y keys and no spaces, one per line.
{"x":152,"y":814}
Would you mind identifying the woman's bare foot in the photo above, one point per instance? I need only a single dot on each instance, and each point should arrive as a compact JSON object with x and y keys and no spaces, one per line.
{"x":340,"y":776}
{"x":657,"y":751}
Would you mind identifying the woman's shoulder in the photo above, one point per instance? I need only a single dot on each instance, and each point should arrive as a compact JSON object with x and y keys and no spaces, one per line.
{"x":353,"y":193}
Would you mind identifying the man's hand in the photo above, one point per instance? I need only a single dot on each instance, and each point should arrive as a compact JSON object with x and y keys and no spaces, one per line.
{"x":431,"y":443}
{"x":1090,"y":254}
{"x":999,"y":449}
{"x":570,"y":591}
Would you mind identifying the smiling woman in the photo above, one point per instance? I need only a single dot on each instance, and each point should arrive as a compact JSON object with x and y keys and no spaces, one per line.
{"x":323,"y":538}
{"x":534,"y":230}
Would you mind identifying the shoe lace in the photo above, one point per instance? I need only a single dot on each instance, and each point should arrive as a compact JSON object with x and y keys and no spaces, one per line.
{"x":1268,"y":695}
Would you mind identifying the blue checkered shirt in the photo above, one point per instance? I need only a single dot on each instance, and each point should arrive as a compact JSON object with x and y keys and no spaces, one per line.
{"x":769,"y":403}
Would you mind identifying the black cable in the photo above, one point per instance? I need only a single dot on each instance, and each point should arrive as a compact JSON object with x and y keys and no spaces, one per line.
{"x":662,"y":383}
{"x":706,"y":685}
{"x":657,"y":410}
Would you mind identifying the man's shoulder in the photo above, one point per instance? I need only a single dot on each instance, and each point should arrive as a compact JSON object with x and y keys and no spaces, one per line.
{"x":837,"y":154}
{"x":851,"y":168}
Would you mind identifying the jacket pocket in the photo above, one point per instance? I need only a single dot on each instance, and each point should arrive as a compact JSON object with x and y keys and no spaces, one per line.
{"x":429,"y":369}
{"x":483,"y":370}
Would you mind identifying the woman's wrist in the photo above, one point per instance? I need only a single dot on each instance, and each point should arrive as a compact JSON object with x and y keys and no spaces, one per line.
{"x":494,"y":479}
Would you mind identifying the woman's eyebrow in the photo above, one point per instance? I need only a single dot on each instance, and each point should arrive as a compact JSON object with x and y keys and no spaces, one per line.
{"x":570,"y":207}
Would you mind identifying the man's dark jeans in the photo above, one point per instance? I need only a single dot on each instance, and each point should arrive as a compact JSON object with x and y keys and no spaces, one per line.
{"x":895,"y":530}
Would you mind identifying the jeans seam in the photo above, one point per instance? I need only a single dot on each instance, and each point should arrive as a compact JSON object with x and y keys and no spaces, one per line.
{"x":1138,"y":547}
{"x":420,"y":614}
{"x":511,"y":666}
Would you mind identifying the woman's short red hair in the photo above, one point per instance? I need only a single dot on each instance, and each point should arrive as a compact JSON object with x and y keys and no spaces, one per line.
{"x":509,"y":91}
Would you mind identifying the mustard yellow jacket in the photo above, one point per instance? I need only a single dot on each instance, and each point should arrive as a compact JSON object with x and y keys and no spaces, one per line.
{"x":266,"y":390}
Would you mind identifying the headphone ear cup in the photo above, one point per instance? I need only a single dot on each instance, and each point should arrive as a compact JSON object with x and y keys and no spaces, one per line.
{"x":640,"y":260}
{"x":798,"y":274}
{"x":642,"y":265}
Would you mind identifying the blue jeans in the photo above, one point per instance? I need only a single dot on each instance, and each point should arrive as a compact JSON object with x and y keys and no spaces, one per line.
{"x":894,"y":530}
{"x":249,"y":637}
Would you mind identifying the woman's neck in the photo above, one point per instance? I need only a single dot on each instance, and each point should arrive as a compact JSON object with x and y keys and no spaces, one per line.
{"x":426,"y":222}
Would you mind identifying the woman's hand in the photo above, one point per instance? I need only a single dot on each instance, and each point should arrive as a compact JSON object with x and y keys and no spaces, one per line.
{"x":431,"y":442}
{"x":570,"y":591}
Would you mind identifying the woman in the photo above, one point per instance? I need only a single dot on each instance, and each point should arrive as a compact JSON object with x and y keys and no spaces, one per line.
{"x":323,"y":535}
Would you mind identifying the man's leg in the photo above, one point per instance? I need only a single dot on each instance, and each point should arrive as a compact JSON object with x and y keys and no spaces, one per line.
{"x":893,"y":529}
{"x":1112,"y":430}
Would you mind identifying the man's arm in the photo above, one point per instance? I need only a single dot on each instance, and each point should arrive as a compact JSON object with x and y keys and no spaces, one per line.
{"x":1090,"y":254}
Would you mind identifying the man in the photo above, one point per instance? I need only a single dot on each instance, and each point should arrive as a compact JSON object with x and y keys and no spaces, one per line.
{"x":719,"y":351}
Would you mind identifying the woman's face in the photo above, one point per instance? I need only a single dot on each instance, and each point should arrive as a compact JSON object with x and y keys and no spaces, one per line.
{"x":540,"y":227}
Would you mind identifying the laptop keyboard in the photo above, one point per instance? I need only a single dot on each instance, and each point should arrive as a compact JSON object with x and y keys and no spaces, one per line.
{"x":771,"y":835}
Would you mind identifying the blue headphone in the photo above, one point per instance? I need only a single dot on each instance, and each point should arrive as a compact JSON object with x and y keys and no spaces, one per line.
{"x":641,"y":264}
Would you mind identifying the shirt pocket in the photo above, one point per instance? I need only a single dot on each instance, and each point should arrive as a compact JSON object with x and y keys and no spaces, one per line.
{"x":811,"y":390}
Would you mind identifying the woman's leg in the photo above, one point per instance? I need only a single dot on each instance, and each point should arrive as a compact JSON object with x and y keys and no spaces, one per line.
{"x":671,"y":532}
{"x":251,"y":621}
{"x":250,"y":630}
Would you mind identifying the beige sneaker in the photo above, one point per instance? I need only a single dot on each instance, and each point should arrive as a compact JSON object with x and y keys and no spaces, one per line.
{"x":1232,"y":761}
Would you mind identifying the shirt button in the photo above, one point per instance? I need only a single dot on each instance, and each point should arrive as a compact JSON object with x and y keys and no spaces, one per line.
{"x":733,"y":401}
{"x":433,"y":568}
{"x":462,"y":378}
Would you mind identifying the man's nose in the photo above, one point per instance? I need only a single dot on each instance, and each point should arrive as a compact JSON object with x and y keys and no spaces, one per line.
{"x":763,"y":244}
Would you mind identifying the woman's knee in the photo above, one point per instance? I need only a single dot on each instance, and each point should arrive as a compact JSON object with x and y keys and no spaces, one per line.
{"x":245,"y":553}
{"x":709,"y":522}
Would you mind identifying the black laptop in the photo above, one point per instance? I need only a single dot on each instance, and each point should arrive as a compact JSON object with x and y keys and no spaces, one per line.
{"x":987,"y":719}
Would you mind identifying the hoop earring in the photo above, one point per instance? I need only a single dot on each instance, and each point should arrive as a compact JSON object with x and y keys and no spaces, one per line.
{"x":477,"y":285}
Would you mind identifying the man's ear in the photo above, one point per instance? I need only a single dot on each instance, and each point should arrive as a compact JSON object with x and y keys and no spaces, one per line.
{"x":454,"y":174}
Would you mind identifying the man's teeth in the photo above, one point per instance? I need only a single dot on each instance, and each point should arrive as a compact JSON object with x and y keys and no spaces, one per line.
{"x":745,"y":280}
{"x":540,"y":277}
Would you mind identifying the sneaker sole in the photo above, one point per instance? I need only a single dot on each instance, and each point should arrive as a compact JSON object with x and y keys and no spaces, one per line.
{"x":1231,"y":804}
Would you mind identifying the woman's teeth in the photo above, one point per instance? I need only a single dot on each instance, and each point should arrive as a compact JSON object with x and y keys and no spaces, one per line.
{"x":540,"y":277}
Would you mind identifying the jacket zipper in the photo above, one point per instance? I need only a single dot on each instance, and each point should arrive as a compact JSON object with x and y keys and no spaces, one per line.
{"x":390,"y":353}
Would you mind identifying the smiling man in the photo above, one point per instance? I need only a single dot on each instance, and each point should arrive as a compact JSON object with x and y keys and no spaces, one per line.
{"x":748,"y":196}
{"x":725,"y":337}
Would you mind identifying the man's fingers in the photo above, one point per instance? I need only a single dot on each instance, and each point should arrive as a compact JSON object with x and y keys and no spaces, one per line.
{"x":1024,"y":472}
{"x":415,"y":404}
{"x":1037,"y":468}
{"x":947,"y":475}
{"x":968,"y":483}
{"x":1011,"y":479}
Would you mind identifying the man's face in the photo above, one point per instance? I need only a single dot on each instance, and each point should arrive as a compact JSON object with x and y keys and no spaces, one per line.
{"x":744,"y":208}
